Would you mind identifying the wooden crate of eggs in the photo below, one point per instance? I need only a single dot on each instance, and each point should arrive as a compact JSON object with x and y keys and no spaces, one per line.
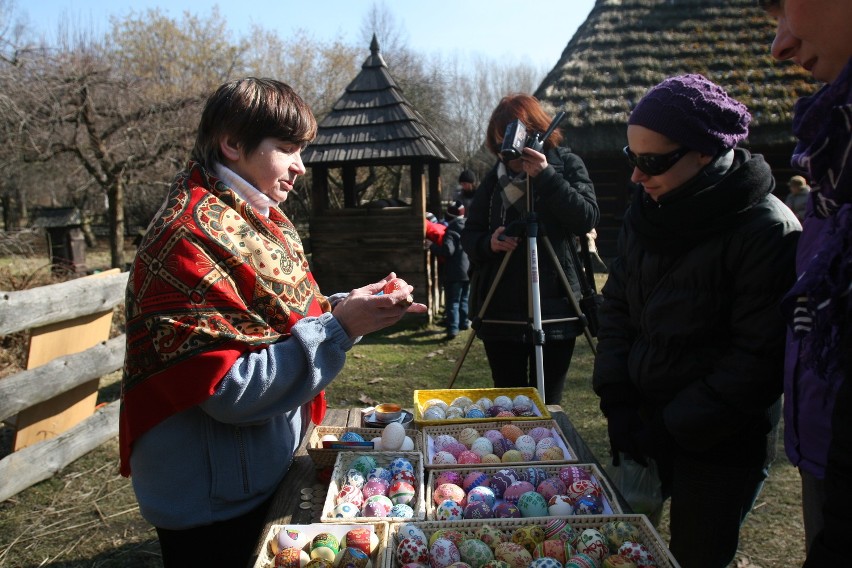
{"x":293,"y":546}
{"x":492,"y":443}
{"x":376,"y":486}
{"x":514,"y":492}
{"x":323,"y":449}
{"x":617,"y":541}
{"x":456,"y":406}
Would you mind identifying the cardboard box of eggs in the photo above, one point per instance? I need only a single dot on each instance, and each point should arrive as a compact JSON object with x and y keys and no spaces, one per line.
{"x":618,"y":541}
{"x":492,"y":443}
{"x":518,"y":492}
{"x":325,"y":546}
{"x":455,"y":406}
{"x":376,"y":486}
{"x":325,"y":442}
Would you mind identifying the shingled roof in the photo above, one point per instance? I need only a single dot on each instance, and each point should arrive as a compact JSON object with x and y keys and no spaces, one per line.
{"x":372,"y":123}
{"x":628,"y":46}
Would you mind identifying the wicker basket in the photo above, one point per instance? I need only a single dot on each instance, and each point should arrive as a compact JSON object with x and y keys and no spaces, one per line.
{"x":449,"y":395}
{"x":429,"y":433}
{"x":647,"y":535}
{"x":383,"y":459}
{"x":325,"y":457}
{"x":610,"y":502}
{"x":266,"y":559}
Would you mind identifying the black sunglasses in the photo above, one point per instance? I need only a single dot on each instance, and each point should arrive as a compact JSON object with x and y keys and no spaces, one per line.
{"x":655,"y":164}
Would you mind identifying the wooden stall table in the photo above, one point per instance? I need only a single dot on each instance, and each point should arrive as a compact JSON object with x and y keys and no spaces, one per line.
{"x":301,"y":495}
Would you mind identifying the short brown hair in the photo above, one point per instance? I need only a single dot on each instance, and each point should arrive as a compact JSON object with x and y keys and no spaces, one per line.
{"x":249,"y":110}
{"x":529,"y":111}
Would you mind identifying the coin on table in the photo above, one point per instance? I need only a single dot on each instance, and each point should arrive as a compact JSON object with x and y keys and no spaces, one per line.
{"x":305,"y":505}
{"x":307,"y":490}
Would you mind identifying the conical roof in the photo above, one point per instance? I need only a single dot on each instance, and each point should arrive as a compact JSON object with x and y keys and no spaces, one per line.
{"x":372,"y":123}
{"x":627,"y":46}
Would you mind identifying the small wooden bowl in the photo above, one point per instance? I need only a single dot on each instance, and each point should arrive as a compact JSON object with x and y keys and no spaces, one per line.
{"x":388,"y":412}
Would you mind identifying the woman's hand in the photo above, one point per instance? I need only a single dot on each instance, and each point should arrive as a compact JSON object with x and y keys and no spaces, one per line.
{"x":533,"y":162}
{"x":363,"y":311}
{"x":502,"y":243}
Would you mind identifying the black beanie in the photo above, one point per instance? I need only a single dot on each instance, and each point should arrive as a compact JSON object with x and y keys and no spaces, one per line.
{"x":467,"y":176}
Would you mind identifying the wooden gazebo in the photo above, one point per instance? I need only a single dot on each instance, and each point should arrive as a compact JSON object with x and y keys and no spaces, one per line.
{"x":627,"y":46}
{"x":372,"y":124}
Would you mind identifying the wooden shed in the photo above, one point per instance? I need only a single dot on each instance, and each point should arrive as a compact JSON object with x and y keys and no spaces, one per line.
{"x":372,"y":124}
{"x":627,"y":46}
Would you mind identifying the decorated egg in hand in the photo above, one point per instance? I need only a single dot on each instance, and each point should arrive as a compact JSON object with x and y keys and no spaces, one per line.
{"x":394,"y":285}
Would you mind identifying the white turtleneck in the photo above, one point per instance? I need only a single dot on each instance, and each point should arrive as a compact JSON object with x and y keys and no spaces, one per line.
{"x":260,"y":201}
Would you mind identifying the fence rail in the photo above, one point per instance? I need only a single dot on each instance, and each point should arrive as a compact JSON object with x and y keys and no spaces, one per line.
{"x":49,"y":305}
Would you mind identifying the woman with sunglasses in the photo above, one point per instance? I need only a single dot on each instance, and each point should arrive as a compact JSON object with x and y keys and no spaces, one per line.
{"x":691,"y":340}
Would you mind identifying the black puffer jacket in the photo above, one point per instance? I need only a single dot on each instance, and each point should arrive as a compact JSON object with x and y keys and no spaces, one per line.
{"x":565,"y":206}
{"x":690,"y":328}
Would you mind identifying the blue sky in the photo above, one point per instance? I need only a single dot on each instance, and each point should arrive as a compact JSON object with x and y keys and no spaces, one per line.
{"x":510,"y":29}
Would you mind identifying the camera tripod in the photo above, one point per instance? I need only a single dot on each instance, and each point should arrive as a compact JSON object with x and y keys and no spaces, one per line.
{"x":534,"y":295}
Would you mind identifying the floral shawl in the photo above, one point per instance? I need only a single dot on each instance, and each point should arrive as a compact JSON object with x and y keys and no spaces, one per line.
{"x":211,"y":281}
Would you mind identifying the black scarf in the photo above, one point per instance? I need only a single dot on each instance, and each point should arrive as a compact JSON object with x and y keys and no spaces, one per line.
{"x":709,"y":204}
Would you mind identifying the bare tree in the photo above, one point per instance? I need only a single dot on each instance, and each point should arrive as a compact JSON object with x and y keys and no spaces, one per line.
{"x":118,"y":108}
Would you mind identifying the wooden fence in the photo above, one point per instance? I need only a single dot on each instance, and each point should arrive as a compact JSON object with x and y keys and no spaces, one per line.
{"x":45,"y":306}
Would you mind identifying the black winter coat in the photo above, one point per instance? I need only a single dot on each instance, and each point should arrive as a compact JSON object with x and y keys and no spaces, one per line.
{"x":690,"y":328}
{"x":565,"y":206}
{"x":456,"y":262}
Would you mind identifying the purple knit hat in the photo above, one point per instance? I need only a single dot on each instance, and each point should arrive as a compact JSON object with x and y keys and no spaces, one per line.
{"x":695,"y":112}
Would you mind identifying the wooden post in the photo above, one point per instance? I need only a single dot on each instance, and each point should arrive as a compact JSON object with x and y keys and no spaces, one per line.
{"x":54,"y":416}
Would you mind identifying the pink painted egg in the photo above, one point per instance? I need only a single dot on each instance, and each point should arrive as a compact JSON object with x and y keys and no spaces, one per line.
{"x":441,"y":441}
{"x":374,"y":487}
{"x":475,"y":479}
{"x":514,"y":491}
{"x":539,"y":433}
{"x":449,"y":491}
{"x":493,"y":435}
{"x":572,"y":473}
{"x":468,"y":457}
{"x":550,"y":487}
{"x":449,"y":476}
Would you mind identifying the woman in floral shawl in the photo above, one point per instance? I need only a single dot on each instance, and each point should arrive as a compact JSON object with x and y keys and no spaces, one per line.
{"x":818,"y":402}
{"x":229,"y":340}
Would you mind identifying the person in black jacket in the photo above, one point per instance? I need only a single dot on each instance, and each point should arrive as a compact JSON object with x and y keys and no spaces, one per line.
{"x":455,"y":273}
{"x":556,"y":184}
{"x":691,"y":338}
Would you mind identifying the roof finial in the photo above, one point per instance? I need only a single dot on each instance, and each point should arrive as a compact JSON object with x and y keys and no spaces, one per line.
{"x":374,"y":45}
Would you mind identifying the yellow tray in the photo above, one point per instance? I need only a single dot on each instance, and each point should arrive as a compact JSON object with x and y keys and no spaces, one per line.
{"x":449,"y":395}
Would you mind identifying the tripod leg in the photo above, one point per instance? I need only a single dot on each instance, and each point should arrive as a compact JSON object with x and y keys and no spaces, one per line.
{"x":479,"y":317}
{"x":574,"y":303}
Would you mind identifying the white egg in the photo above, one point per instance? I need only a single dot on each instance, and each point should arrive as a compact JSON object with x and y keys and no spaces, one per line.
{"x":393,"y":436}
{"x":407,"y":444}
{"x":328,"y":438}
{"x":377,"y":443}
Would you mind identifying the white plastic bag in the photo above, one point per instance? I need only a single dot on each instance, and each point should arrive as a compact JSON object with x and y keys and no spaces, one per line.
{"x":640,"y":486}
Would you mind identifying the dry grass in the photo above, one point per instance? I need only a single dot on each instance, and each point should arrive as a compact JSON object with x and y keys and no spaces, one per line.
{"x":86,"y":516}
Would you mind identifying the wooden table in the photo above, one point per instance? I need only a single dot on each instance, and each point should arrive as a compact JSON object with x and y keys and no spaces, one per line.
{"x":301,"y":495}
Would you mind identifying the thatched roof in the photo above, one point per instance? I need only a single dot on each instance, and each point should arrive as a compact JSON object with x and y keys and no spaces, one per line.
{"x":373,"y":123}
{"x":628,"y":46}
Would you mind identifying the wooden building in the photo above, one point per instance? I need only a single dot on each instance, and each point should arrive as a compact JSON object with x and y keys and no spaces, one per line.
{"x":372,"y":124}
{"x":627,"y":46}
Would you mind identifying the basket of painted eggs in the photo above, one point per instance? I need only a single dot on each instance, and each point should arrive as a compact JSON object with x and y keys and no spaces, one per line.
{"x":618,"y":541}
{"x":518,"y":492}
{"x":376,"y":486}
{"x":494,"y":443}
{"x":456,"y":406}
{"x":325,"y":442}
{"x":325,"y":546}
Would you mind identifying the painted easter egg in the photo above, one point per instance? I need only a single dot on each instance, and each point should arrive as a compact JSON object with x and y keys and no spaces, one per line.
{"x":442,"y":553}
{"x":550,"y":487}
{"x":514,"y":491}
{"x":449,"y":476}
{"x":444,"y":458}
{"x":506,"y":510}
{"x":289,"y":537}
{"x":560,"y":506}
{"x":475,"y":552}
{"x":448,"y":491}
{"x":412,"y":550}
{"x":380,"y":473}
{"x":449,"y":511}
{"x":482,"y":446}
{"x":588,"y":505}
{"x":401,"y":492}
{"x":408,"y":530}
{"x":351,"y":437}
{"x":345,"y":511}
{"x":461,"y":402}
{"x":553,"y":454}
{"x":490,"y":535}
{"x":572,"y":473}
{"x":374,"y":487}
{"x":555,"y":548}
{"x":619,"y":532}
{"x":434,"y":413}
{"x":401,"y":511}
{"x":593,"y":543}
{"x":503,"y":401}
{"x":325,"y":545}
{"x":515,"y":555}
{"x":355,"y":478}
{"x":501,"y":480}
{"x":475,"y":479}
{"x":510,"y":456}
{"x":543,"y":445}
{"x":482,"y":493}
{"x":291,"y":557}
{"x":580,"y":560}
{"x":398,"y":465}
{"x":477,"y":510}
{"x":362,"y":538}
{"x":528,"y":536}
{"x":526,"y":445}
{"x":638,"y":553}
{"x":352,"y":558}
{"x":406,"y":476}
{"x":532,"y":504}
{"x":363,"y":464}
